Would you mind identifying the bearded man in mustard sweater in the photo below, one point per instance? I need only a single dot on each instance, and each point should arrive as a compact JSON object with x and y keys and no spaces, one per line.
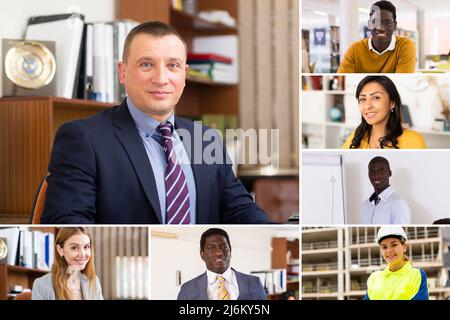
{"x":382,"y":52}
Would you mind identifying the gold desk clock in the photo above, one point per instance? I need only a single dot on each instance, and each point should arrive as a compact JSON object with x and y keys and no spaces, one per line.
{"x":3,"y":251}
{"x":29,"y":68}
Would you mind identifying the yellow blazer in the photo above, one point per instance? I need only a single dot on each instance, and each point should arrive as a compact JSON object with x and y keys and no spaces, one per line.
{"x":408,"y":140}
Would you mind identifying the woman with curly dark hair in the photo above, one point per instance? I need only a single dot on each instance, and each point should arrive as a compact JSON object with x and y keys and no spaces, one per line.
{"x":381,"y":118}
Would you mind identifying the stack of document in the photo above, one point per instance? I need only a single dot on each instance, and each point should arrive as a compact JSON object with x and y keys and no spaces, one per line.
{"x":221,"y":56}
{"x":215,"y":67}
{"x":29,"y":249}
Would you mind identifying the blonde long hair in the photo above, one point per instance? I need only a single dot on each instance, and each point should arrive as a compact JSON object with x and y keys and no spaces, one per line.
{"x":59,"y":268}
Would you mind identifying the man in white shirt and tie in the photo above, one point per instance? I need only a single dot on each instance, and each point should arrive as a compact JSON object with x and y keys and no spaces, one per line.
{"x":220,"y":281}
{"x":384,"y":206}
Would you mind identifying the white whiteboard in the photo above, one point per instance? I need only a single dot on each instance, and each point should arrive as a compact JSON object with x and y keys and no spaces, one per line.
{"x":322,"y":189}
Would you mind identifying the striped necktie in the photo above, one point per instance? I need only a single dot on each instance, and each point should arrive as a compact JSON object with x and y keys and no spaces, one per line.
{"x":222,"y":292}
{"x":177,"y":193}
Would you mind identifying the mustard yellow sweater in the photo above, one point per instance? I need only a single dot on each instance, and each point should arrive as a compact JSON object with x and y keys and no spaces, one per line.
{"x":409,"y":139}
{"x":359,"y":59}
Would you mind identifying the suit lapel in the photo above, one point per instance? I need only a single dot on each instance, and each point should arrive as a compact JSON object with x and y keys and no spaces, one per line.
{"x":202,"y":179}
{"x":128,"y":135}
{"x":202,"y":288}
{"x":242,"y":284}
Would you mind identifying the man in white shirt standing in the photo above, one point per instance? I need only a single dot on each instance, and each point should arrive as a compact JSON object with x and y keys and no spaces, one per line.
{"x":220,"y":281}
{"x":384,"y":206}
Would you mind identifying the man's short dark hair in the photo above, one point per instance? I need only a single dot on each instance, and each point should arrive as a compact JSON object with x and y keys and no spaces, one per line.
{"x":442,"y":221}
{"x":153,"y":28}
{"x":387,"y":5}
{"x":379,"y":159}
{"x":211,"y":232}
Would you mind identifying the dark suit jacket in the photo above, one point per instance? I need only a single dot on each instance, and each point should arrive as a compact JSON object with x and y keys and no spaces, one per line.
{"x":250,"y":288}
{"x":100,"y":173}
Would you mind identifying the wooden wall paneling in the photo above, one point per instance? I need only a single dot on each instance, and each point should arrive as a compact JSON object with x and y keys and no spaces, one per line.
{"x":144,"y":252}
{"x":128,"y":253}
{"x":282,"y":82}
{"x":112,"y":259}
{"x":3,"y":281}
{"x":97,"y":237}
{"x":106,"y":254}
{"x":264,"y":65}
{"x":143,"y":10}
{"x":135,"y":242}
{"x":24,"y":152}
{"x":247,"y":108}
{"x":294,"y":36}
{"x":120,"y":255}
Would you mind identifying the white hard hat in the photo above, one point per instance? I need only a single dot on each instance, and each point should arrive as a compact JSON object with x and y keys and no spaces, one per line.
{"x":391,"y":231}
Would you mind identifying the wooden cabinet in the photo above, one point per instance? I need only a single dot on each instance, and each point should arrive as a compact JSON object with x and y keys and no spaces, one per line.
{"x":199,"y":97}
{"x":27,"y":129}
{"x":14,"y":275}
{"x":11,"y":275}
{"x":285,"y":255}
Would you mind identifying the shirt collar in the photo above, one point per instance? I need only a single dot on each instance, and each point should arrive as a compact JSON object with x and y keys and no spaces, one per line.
{"x":386,"y":193}
{"x":146,"y":124}
{"x":383,"y":195}
{"x":390,"y":48}
{"x":212,"y":276}
{"x":403,"y":270}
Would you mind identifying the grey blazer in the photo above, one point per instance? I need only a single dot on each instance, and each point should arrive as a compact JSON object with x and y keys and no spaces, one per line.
{"x":250,"y":288}
{"x":43,"y":289}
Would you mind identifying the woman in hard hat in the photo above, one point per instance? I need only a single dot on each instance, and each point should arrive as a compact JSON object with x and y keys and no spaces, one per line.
{"x":400,"y":280}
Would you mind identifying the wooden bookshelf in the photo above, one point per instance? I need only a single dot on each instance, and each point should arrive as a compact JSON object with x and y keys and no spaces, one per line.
{"x":11,"y":275}
{"x":14,"y":275}
{"x":280,"y":248}
{"x":27,"y":129}
{"x":200,"y":96}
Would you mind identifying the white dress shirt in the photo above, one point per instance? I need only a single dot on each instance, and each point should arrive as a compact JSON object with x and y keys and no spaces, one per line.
{"x":390,"y":48}
{"x":391,"y":209}
{"x":230,"y":283}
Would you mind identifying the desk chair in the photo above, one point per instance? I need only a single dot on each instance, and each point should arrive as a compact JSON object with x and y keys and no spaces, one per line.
{"x":23,"y":296}
{"x":278,"y":197}
{"x":39,"y":201}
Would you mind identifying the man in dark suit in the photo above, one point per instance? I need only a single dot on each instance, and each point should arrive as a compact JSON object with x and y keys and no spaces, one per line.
{"x":220,"y":282}
{"x":138,"y":163}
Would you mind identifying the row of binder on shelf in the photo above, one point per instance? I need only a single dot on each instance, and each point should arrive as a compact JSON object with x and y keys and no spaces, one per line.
{"x":273,"y":280}
{"x":86,"y":54}
{"x":29,"y":248}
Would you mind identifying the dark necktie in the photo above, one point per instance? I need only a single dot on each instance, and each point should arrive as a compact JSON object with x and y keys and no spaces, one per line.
{"x":177,"y":193}
{"x":375,"y":198}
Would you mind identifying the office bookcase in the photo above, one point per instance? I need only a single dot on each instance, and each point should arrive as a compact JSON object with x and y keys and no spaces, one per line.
{"x":12,"y":275}
{"x":285,"y":255}
{"x":200,"y":96}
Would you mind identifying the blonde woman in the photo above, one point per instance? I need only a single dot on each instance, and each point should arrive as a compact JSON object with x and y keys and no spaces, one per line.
{"x":400,"y":280}
{"x":73,"y":273}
